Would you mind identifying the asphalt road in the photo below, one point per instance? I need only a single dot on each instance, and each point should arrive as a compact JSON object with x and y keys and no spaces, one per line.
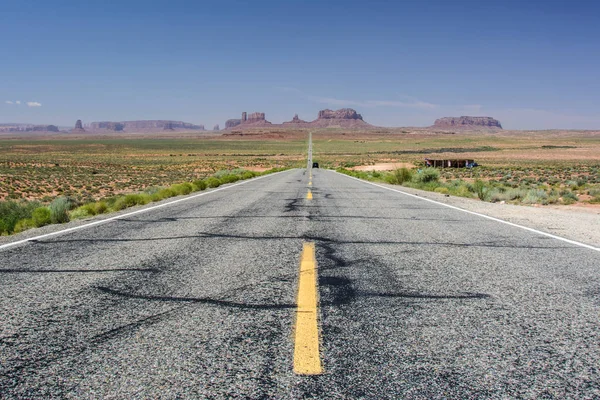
{"x":198,"y":300}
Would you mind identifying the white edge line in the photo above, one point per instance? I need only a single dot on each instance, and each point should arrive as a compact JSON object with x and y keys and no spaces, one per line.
{"x":143,"y":210}
{"x":587,"y":246}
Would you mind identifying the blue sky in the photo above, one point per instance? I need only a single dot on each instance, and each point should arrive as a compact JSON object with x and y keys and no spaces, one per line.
{"x":531,"y":64}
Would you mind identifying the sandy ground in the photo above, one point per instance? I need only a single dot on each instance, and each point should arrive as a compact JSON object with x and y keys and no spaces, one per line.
{"x":572,"y":222}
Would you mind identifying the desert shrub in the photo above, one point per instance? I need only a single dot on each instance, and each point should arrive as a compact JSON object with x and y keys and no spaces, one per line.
{"x":59,"y":210}
{"x":182,"y":188}
{"x":461,"y":191}
{"x":79,"y":213}
{"x":595,"y":199}
{"x":229,"y":179}
{"x":162,"y":194}
{"x":495,"y":195}
{"x":199,"y":185}
{"x":516,"y":194}
{"x":427,"y":175}
{"x":535,"y":196}
{"x":131,"y":200}
{"x":41,"y":216}
{"x":100,"y":207}
{"x":248,"y":175}
{"x":23,"y":225}
{"x":11,"y":212}
{"x":443,"y":190}
{"x":213,"y":182}
{"x":399,"y":176}
{"x":152,"y":190}
{"x":479,"y":189}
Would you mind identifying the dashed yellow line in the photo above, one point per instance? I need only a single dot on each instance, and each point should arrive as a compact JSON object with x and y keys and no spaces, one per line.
{"x":307,"y":359}
{"x":309,"y":195}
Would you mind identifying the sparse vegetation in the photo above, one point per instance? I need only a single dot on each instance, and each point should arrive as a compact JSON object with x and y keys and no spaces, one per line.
{"x":515,"y":185}
{"x":18,"y":217}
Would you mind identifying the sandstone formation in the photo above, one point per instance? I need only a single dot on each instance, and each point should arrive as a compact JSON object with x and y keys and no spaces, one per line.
{"x":78,"y":127}
{"x":342,"y":118}
{"x":144,"y":126}
{"x":295,"y":121}
{"x":467,"y":122}
{"x":216,"y":127}
{"x":230,"y":123}
{"x":344,"y":113}
{"x":254,"y":119}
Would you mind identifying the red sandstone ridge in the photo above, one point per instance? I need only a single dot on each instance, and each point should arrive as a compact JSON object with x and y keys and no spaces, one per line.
{"x":295,"y":121}
{"x":467,"y":122}
{"x":231,"y":123}
{"x":254,"y":119}
{"x":342,"y":118}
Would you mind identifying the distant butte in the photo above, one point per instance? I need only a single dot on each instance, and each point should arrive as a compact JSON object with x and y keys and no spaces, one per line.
{"x":295,"y":121}
{"x":78,"y":127}
{"x":144,"y":126}
{"x":467,"y":122}
{"x":342,"y":118}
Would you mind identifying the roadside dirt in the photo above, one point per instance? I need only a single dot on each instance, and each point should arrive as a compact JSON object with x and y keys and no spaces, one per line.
{"x":577,"y":223}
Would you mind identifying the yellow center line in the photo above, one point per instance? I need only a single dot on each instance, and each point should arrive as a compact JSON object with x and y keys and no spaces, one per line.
{"x":309,"y":195}
{"x":307,"y":360}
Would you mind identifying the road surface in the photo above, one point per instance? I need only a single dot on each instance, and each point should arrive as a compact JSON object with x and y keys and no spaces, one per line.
{"x":200,"y":299}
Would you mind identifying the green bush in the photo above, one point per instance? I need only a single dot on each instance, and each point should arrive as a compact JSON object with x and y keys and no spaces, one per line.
{"x":182,"y":188}
{"x":536,"y":196}
{"x":162,"y":194}
{"x":213,"y":182}
{"x":41,"y":216}
{"x":199,"y":185}
{"x":442,"y":190}
{"x":23,"y":225}
{"x":595,"y":199}
{"x":100,"y":207}
{"x":248,"y":175}
{"x":461,"y":191}
{"x":11,"y":212}
{"x":479,"y":189}
{"x":131,"y":200}
{"x":403,"y":175}
{"x":427,"y":175}
{"x":59,"y":210}
{"x":79,"y":213}
{"x":229,"y":179}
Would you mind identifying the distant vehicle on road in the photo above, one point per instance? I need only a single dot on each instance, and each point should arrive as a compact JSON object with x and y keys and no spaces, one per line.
{"x":315,"y":165}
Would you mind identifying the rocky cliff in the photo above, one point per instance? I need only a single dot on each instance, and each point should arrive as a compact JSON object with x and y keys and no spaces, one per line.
{"x":295,"y":121}
{"x":343,"y":118}
{"x":467,"y":122}
{"x":343,"y":113}
{"x":230,"y":123}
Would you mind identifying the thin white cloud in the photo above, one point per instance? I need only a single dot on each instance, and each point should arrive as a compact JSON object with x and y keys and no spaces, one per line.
{"x":18,"y":102}
{"x":33,"y":104}
{"x":9,"y":102}
{"x":405,"y":102}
